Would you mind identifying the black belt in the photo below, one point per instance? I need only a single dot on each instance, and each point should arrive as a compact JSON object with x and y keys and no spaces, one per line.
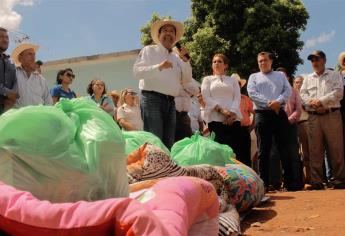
{"x":157,"y":94}
{"x":182,"y":113}
{"x":323,"y":113}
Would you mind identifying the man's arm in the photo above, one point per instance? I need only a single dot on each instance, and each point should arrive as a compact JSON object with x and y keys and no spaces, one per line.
{"x":296,"y":114}
{"x":286,"y":93}
{"x":143,"y":69}
{"x":336,"y":93}
{"x":47,"y":98}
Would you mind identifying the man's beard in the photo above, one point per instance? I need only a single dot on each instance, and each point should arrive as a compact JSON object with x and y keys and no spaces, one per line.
{"x":2,"y":49}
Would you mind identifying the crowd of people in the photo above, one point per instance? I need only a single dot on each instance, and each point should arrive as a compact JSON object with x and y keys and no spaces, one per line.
{"x":296,"y":123}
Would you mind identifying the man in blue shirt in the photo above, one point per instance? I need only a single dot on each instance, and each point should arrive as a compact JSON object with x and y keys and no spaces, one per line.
{"x":8,"y":78}
{"x":270,"y":91}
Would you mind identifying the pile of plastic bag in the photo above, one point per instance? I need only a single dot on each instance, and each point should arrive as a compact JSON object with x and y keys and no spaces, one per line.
{"x":67,"y":152}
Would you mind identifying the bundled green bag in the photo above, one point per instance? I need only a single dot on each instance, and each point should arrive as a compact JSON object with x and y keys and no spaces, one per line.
{"x":68,"y":152}
{"x":201,"y":150}
{"x":135,"y":139}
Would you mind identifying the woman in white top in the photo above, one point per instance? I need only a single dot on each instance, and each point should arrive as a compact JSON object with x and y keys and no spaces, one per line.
{"x":128,"y":114}
{"x":222,"y":97}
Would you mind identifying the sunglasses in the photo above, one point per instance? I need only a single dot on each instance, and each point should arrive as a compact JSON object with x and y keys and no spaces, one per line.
{"x":131,"y":93}
{"x":315,"y":59}
{"x":70,"y":75}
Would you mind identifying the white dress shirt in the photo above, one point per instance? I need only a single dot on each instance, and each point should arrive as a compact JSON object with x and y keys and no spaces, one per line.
{"x":328,"y":88}
{"x":223,"y":91}
{"x":166,"y":81}
{"x":132,"y":115}
{"x":195,"y":115}
{"x":32,"y":90}
{"x":183,"y":101}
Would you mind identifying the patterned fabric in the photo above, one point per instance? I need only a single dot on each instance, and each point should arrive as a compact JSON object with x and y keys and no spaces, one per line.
{"x":150,"y":162}
{"x":244,"y":186}
{"x":229,"y":222}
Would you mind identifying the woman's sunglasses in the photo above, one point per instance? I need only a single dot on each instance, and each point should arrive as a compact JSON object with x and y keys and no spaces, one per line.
{"x":70,"y":75}
{"x":131,"y":93}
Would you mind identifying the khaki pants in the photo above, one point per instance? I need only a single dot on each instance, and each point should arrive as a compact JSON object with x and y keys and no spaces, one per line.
{"x":304,"y":148}
{"x":326,"y":131}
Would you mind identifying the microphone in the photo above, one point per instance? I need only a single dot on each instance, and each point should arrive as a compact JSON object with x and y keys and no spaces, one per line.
{"x":178,"y":46}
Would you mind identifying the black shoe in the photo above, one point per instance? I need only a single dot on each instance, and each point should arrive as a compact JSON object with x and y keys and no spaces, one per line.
{"x":316,"y":186}
{"x":340,"y":185}
{"x":294,"y":188}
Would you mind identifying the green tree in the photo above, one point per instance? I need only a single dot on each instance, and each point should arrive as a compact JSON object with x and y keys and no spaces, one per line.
{"x":244,"y":28}
{"x":240,"y":29}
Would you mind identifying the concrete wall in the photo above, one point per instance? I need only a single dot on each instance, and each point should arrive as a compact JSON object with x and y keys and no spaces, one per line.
{"x":115,"y":69}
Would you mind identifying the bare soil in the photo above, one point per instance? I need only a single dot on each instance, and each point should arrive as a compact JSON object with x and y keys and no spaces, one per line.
{"x":299,"y":213}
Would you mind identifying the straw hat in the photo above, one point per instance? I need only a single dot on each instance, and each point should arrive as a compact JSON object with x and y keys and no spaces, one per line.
{"x":341,"y":60}
{"x":21,"y":48}
{"x":160,"y":23}
{"x":238,"y":78}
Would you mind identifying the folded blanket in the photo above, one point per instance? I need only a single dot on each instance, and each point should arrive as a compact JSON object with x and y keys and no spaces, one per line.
{"x":149,"y":164}
{"x":175,"y":206}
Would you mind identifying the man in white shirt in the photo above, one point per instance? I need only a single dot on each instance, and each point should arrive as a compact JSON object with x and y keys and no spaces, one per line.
{"x":321,"y":93}
{"x":183,"y":103}
{"x":160,"y":72}
{"x":32,"y":87}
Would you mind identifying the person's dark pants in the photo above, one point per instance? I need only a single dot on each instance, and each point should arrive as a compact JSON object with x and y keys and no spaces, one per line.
{"x":227,"y":134}
{"x":1,"y":108}
{"x":159,"y":115}
{"x":268,"y":124}
{"x":183,"y":128}
{"x":245,"y":145}
{"x":276,"y":178}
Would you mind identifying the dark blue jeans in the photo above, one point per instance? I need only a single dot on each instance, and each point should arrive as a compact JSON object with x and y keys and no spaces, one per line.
{"x":270,"y":125}
{"x":159,"y":115}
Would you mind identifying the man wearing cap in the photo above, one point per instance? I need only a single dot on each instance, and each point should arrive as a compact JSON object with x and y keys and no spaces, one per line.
{"x":161,"y":73}
{"x":8,"y":79}
{"x":32,"y":87}
{"x":321,"y":93}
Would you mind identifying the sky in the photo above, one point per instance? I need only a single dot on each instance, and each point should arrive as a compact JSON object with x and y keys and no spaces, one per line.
{"x":72,"y":28}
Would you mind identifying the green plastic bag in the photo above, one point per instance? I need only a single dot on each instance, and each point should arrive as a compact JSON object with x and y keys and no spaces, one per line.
{"x":201,"y":150}
{"x":68,"y":152}
{"x":135,"y":139}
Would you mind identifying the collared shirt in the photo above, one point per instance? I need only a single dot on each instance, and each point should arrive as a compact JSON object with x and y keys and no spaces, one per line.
{"x":104,"y":100}
{"x":195,"y":115}
{"x":166,"y":81}
{"x":246,"y":110}
{"x":223,"y":91}
{"x":328,"y":88}
{"x":32,"y":90}
{"x":8,"y":78}
{"x":183,"y":101}
{"x":263,"y":88}
{"x":132,"y":115}
{"x":293,"y":108}
{"x":59,"y":92}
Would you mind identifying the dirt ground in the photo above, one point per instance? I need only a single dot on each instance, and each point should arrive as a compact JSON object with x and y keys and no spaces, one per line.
{"x":299,"y":213}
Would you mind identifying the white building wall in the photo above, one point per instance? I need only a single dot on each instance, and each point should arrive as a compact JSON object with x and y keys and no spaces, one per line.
{"x":115,"y":69}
